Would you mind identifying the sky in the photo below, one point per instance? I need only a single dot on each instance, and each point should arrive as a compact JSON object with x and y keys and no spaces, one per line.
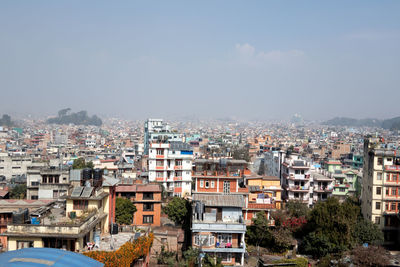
{"x":264,"y":60}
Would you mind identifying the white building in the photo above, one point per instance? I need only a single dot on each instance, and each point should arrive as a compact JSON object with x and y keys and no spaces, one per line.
{"x":156,"y":130}
{"x":296,"y":179}
{"x":170,"y":163}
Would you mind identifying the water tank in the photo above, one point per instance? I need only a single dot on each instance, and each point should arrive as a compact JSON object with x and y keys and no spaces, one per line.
{"x":114,"y":229}
{"x":97,"y":174}
{"x":86,"y":174}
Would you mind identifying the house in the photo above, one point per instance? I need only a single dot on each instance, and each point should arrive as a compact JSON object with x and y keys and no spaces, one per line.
{"x":218,"y":228}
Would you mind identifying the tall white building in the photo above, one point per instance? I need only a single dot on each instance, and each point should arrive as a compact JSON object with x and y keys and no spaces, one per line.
{"x":156,"y":130}
{"x":170,"y":163}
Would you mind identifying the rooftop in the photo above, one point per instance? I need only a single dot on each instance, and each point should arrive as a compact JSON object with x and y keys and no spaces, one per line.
{"x":220,"y":200}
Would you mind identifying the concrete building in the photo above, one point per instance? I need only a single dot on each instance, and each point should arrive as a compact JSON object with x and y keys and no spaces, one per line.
{"x":47,"y":183}
{"x":157,"y":130}
{"x":381,"y":188}
{"x":296,"y":178}
{"x":70,"y":224}
{"x":147,"y":199}
{"x":264,"y":195}
{"x":14,"y":166}
{"x":218,"y":227}
{"x":170,"y":164}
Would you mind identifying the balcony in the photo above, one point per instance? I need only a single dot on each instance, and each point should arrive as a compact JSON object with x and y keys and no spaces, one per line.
{"x":178,"y":167}
{"x":160,"y":167}
{"x":178,"y":178}
{"x":392,"y":197}
{"x":299,"y":177}
{"x":395,"y":168}
{"x":323,"y":189}
{"x":5,"y":222}
{"x":262,"y":206}
{"x":219,"y":227}
{"x":299,"y":188}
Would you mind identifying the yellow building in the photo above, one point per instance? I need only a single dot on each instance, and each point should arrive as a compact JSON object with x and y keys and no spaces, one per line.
{"x":264,"y":194}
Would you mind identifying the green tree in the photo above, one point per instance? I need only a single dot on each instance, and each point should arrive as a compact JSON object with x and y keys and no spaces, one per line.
{"x":124,"y":210}
{"x":258,"y":233}
{"x":296,"y":208}
{"x":330,"y":227}
{"x":80,"y":163}
{"x":177,"y":210}
{"x":18,"y":191}
{"x":367,"y":232}
{"x":282,"y":239}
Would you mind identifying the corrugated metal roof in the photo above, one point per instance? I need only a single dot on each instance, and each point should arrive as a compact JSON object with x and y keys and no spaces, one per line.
{"x":75,"y":175}
{"x":220,"y":200}
{"x":45,"y":257}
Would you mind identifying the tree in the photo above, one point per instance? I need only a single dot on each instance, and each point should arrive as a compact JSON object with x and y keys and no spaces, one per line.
{"x":370,"y":256}
{"x":258,"y":232}
{"x":282,"y":239}
{"x":6,"y":120}
{"x":124,"y":210}
{"x":241,"y":153}
{"x":367,"y":232}
{"x":330,"y":227}
{"x":80,"y":163}
{"x":296,"y":208}
{"x":177,"y":210}
{"x":19,"y":191}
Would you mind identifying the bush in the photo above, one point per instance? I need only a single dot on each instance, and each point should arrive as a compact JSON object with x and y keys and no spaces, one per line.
{"x":370,"y":256}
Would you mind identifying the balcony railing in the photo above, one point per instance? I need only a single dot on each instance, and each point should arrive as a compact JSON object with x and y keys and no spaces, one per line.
{"x":261,"y":206}
{"x":298,"y":188}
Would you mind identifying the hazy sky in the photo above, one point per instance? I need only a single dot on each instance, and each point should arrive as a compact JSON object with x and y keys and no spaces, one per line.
{"x":250,"y":59}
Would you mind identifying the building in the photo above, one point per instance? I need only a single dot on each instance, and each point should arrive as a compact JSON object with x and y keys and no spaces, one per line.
{"x":264,"y":195}
{"x":381,"y":188}
{"x":223,"y":176}
{"x":218,"y":227}
{"x":147,"y":199}
{"x":47,"y":183}
{"x":170,"y":164}
{"x":82,"y":215}
{"x":15,"y":166}
{"x":296,"y":178}
{"x":346,"y":183}
{"x":157,"y":130}
{"x":323,"y":185}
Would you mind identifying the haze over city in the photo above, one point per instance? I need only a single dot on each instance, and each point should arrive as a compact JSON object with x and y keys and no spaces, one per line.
{"x":258,"y":60}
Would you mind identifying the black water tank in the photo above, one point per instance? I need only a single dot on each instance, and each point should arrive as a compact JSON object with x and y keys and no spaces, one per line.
{"x":86,"y":174}
{"x":97,"y":174}
{"x":114,"y":229}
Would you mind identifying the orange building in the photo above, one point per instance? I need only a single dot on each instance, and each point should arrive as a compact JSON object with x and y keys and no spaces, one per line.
{"x":147,"y":199}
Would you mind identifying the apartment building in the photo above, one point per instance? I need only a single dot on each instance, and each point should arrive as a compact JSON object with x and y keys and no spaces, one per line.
{"x":14,"y":166}
{"x":46,"y":183}
{"x":296,"y":179}
{"x":222,"y":176}
{"x":264,"y":195}
{"x":80,"y":217}
{"x":322,"y":184}
{"x":218,"y":227}
{"x":170,"y":164}
{"x":381,"y":188}
{"x":157,"y":130}
{"x":147,"y":199}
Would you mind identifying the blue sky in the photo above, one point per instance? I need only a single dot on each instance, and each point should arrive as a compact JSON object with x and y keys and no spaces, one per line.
{"x":247,"y":59}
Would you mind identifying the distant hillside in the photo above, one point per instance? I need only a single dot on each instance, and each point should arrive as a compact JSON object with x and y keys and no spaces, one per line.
{"x":392,"y":124}
{"x":78,"y":118}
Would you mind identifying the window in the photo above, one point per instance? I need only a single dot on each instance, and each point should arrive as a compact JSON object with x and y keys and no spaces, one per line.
{"x":55,"y":194}
{"x":378,"y":190}
{"x":212,"y":184}
{"x":34,"y":197}
{"x":24,"y":244}
{"x":148,"y":207}
{"x":224,"y":239}
{"x":80,"y":204}
{"x":178,"y":163}
{"x":378,"y":220}
{"x":393,"y":191}
{"x":147,"y":196}
{"x":204,"y":240}
{"x":159,"y":174}
{"x":56,"y":179}
{"x":201,"y":183}
{"x":342,"y":190}
{"x":379,"y":176}
{"x":178,"y":174}
{"x":50,"y":179}
{"x":160,"y":152}
{"x":377,"y":205}
{"x":380,"y":161}
{"x":44,"y":179}
{"x":159,"y":163}
{"x":207,"y":184}
{"x":225,"y":257}
{"x":147,"y":219}
{"x":34,"y":183}
{"x":178,"y":184}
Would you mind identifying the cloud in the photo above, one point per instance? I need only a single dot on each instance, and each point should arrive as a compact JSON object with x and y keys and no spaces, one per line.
{"x":246,"y":53}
